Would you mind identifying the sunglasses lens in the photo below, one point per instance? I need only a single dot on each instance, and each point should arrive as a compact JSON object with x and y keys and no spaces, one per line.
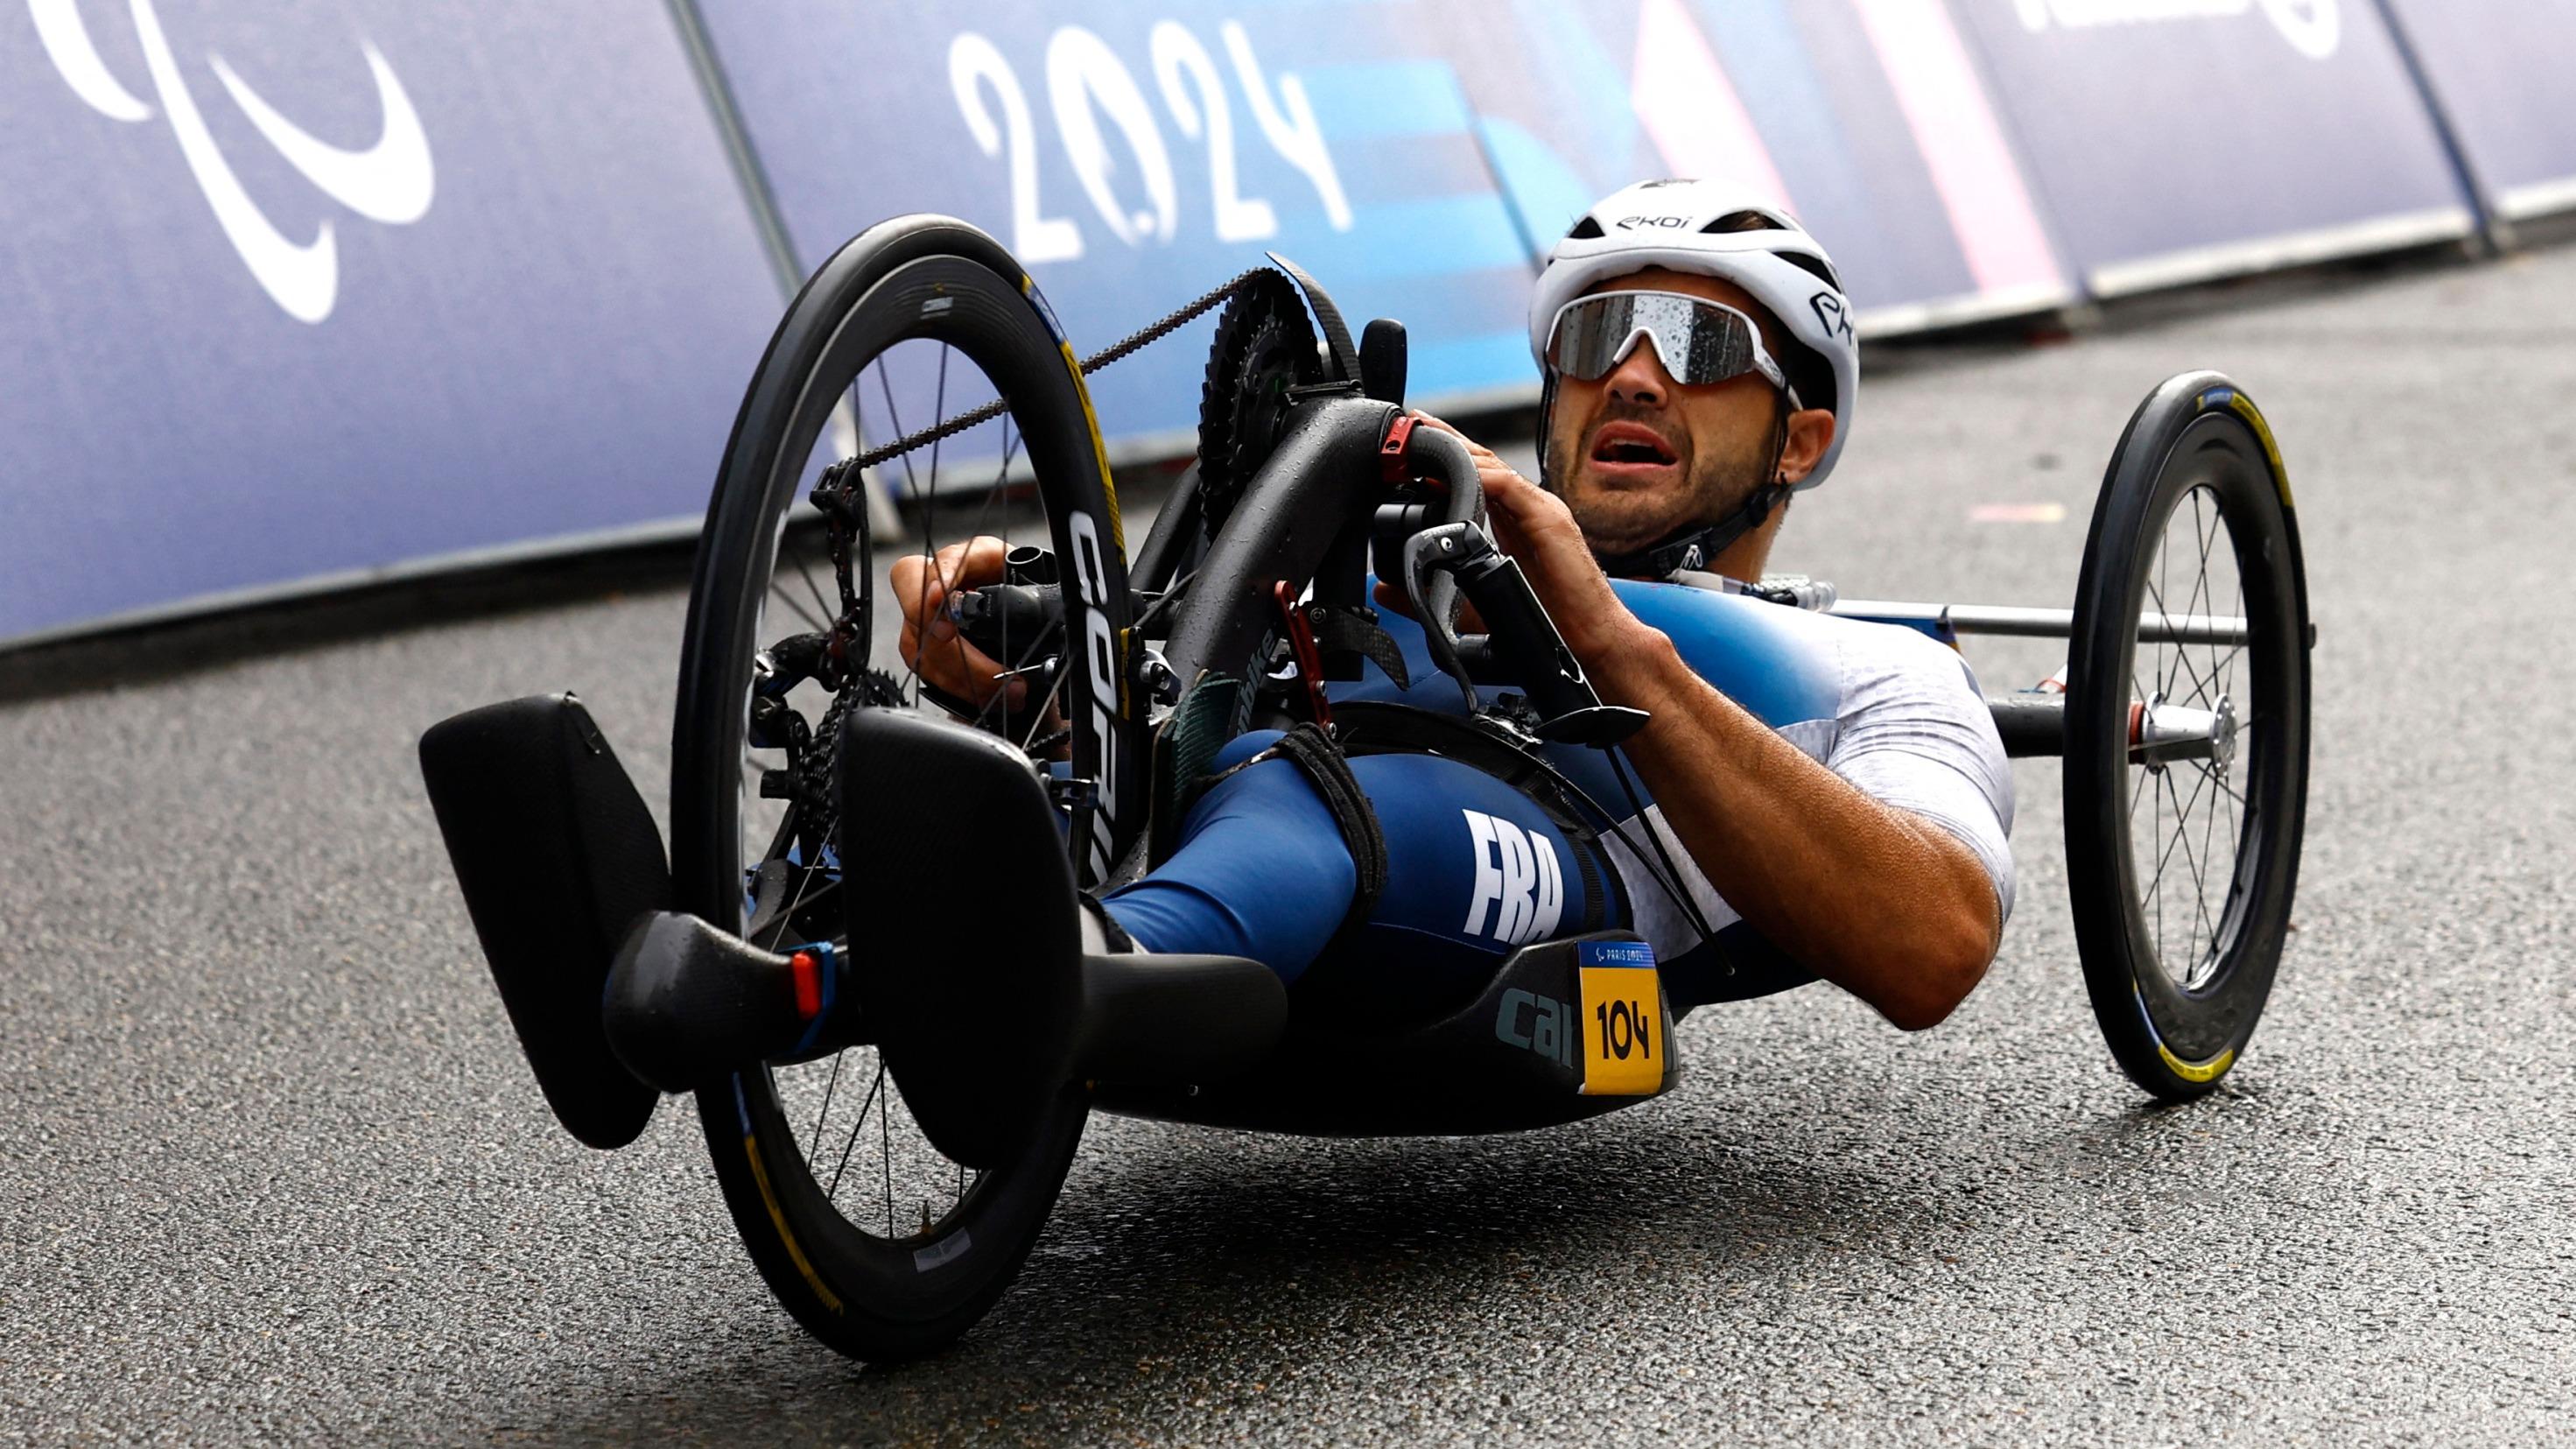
{"x":1698,"y":342}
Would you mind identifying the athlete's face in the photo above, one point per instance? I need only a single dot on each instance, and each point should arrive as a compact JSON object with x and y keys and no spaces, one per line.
{"x":1639,"y":456}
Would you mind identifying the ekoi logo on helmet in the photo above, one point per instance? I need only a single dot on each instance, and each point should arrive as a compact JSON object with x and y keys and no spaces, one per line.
{"x":1832,"y":313}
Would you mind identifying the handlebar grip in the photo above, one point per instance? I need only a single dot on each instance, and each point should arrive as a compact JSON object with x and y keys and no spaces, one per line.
{"x":1524,"y":640}
{"x":1006,"y":617}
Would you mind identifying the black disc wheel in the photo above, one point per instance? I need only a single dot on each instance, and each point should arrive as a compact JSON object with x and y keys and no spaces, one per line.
{"x":2187,"y":735}
{"x":876,"y":1243}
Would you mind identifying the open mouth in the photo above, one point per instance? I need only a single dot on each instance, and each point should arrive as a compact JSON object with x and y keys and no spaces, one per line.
{"x":1631,"y":445}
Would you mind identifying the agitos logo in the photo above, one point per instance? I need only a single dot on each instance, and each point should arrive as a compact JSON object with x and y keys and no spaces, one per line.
{"x":391,"y":181}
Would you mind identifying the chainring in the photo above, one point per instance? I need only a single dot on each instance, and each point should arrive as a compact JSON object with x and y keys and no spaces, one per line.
{"x":1264,"y":346}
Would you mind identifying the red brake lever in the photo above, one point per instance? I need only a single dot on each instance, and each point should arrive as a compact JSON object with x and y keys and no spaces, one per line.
{"x":1301,"y":647}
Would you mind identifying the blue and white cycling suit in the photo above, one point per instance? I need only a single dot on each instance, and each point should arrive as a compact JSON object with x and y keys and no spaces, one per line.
{"x":1476,"y":868}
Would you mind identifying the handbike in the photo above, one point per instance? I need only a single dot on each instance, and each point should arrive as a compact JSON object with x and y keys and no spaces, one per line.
{"x":888,"y":1188}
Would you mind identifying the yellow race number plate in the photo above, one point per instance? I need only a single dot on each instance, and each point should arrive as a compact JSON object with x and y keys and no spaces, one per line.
{"x":1623,"y":1030}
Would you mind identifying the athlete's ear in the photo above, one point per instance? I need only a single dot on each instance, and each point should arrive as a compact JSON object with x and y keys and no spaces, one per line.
{"x":1811,"y":432}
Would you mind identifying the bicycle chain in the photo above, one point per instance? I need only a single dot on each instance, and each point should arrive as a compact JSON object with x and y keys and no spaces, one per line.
{"x":845,"y":523}
{"x":1132,"y":342}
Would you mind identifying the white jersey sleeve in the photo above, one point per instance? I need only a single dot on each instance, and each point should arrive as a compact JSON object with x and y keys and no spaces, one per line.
{"x":1896,"y":714}
{"x":1914,"y":732}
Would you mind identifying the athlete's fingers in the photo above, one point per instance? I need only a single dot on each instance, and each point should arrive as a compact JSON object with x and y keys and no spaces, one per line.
{"x":921,"y":585}
{"x":1475,"y":450}
{"x":958,"y":667}
{"x":1503,"y":484}
{"x":906,"y":580}
{"x":973,"y":563}
{"x":1537,"y":528}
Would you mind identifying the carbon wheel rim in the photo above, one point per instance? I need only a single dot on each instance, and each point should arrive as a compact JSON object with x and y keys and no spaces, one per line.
{"x":2186,"y":771}
{"x":854,"y":1193}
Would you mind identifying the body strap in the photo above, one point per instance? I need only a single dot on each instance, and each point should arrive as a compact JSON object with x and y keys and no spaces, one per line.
{"x":1322,"y":762}
{"x":1373,"y":727}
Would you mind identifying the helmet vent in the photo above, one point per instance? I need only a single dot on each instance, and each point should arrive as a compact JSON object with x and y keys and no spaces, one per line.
{"x":1814,"y":266}
{"x":1584,"y":230}
{"x":1746,"y":221}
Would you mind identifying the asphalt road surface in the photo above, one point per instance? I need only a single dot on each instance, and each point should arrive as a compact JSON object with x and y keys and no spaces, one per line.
{"x":271,"y":1165}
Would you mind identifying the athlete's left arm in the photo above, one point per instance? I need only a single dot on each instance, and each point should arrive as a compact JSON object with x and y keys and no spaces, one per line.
{"x":1875,"y":899}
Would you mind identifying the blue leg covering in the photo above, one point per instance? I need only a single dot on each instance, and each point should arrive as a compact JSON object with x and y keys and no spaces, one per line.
{"x":1474,"y":869}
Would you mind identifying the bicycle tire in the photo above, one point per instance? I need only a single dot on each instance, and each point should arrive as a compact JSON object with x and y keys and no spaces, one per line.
{"x":901,"y":1294}
{"x":2196,"y":441}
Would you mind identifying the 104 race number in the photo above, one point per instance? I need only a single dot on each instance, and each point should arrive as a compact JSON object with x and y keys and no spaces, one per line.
{"x":1088,"y":84}
{"x":1623,"y":1046}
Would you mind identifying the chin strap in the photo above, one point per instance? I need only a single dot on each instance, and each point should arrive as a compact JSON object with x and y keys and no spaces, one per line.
{"x":1696,"y":547}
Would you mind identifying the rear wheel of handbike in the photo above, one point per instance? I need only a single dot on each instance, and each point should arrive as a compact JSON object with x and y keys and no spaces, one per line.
{"x":874,"y":1241}
{"x":2187,"y":735}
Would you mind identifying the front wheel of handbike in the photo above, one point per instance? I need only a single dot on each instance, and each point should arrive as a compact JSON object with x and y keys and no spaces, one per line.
{"x":2187,"y":735}
{"x":876,"y":1243}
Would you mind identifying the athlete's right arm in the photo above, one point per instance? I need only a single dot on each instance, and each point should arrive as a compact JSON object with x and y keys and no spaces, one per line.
{"x":930,"y":642}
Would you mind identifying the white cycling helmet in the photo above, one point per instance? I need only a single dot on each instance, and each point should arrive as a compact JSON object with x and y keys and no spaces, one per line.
{"x":1724,"y":231}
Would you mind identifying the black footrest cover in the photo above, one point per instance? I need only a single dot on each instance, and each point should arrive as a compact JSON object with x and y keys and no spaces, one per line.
{"x":557,"y":856}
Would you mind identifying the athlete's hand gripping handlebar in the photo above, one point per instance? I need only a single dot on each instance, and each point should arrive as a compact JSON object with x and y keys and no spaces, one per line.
{"x":1521,"y":637}
{"x":1444,"y":551}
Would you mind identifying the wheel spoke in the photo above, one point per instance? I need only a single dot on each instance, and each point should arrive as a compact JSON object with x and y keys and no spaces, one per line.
{"x":2164,"y":620}
{"x":930,"y":543}
{"x":895,"y":416}
{"x":777,"y":931}
{"x":2182,"y":657}
{"x":874,"y":1090}
{"x":825,"y":1114}
{"x":2235,"y":837}
{"x":2216,"y":781}
{"x":787,"y":540}
{"x":2156,"y":886}
{"x":2199,"y":599}
{"x":2164,"y":682}
{"x":2200,"y":884}
{"x":1038,"y":716}
{"x":2208,"y":826}
{"x":2227,"y":681}
{"x":2202,"y":526}
{"x":797,"y":605}
{"x":938,"y":415}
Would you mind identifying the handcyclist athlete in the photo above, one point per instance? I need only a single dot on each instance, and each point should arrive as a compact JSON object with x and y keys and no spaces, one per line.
{"x":1823,"y":798}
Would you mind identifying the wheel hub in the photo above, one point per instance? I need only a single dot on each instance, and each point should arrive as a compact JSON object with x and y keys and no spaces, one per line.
{"x":2160,"y":733}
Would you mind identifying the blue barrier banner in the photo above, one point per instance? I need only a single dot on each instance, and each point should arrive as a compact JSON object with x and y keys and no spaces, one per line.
{"x":1865,"y":119}
{"x":307,"y":289}
{"x":2498,"y":68}
{"x":2174,"y":140}
{"x":1416,"y":158}
{"x":1140,"y":155}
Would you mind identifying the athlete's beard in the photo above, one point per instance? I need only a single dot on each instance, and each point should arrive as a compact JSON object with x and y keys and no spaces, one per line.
{"x":1716,"y":484}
